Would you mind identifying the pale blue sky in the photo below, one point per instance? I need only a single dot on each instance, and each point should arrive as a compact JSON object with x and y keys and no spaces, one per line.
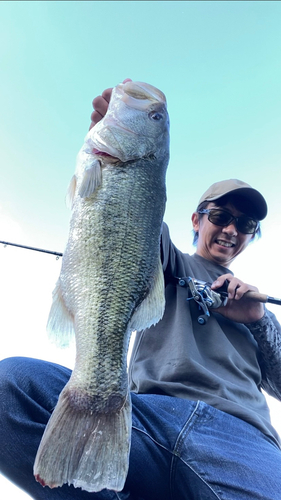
{"x":217,"y":62}
{"x":219,"y":65}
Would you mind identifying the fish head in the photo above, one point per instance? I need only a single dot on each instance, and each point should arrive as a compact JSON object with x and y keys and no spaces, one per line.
{"x":135,"y":126}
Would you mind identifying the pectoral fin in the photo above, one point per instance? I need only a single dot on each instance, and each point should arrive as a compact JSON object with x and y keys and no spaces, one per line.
{"x":152,"y":307}
{"x":71,"y":191}
{"x":91,"y":179}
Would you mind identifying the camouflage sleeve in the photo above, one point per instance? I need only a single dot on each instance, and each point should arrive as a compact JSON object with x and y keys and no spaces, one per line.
{"x":267,"y":333}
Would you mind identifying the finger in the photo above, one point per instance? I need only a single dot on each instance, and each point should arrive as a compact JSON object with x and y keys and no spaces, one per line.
{"x":221,"y":280}
{"x":237,"y":289}
{"x":233,"y":289}
{"x":216,"y":284}
{"x":242,"y":289}
{"x":238,"y":293}
{"x":100,"y":104}
{"x":229,"y":281}
{"x":95,"y":118}
{"x":107,"y":94}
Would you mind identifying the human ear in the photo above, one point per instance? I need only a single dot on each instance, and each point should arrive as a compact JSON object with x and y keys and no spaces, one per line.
{"x":195,"y":221}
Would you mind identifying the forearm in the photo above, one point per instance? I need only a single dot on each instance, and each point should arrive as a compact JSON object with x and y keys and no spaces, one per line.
{"x":268,"y":338}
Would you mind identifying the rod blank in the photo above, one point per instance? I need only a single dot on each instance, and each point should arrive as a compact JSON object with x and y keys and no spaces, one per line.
{"x":258,"y":297}
{"x":58,"y":254}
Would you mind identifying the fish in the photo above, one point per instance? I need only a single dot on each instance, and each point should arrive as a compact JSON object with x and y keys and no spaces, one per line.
{"x":110,"y":284}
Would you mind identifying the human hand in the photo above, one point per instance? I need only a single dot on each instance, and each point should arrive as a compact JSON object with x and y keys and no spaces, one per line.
{"x":100,"y":105}
{"x":239,"y":307}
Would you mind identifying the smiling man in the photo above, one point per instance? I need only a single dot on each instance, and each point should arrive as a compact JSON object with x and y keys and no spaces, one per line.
{"x":217,"y":369}
{"x":233,"y":210}
{"x":201,"y":426}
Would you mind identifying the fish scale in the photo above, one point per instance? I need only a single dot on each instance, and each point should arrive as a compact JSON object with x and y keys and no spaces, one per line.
{"x":111,"y":282}
{"x":113,"y":293}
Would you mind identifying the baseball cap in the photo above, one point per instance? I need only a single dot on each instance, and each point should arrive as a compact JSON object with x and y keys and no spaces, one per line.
{"x":239,"y":188}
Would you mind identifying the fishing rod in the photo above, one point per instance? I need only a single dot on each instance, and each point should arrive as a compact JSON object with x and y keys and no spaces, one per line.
{"x":58,"y":254}
{"x":201,"y":291}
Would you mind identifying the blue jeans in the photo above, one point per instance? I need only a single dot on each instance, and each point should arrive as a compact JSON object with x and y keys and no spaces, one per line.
{"x":181,"y":450}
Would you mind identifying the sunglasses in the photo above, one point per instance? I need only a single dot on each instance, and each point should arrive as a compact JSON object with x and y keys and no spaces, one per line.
{"x":219,"y":217}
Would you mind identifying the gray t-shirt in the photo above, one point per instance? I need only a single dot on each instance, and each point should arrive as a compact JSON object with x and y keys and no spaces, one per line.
{"x":221,"y":363}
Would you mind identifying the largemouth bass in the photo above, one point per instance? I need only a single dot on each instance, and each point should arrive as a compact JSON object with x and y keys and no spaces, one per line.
{"x":111,"y":283}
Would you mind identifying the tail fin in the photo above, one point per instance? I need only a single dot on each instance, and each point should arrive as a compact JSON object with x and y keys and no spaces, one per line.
{"x":89,"y":450}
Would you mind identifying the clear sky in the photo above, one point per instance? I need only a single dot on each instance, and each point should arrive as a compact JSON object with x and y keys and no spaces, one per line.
{"x":218,"y":64}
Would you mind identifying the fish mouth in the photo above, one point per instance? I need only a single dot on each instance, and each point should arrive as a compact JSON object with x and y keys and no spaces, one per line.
{"x":139,"y":95}
{"x":106,"y":156}
{"x":103,"y":153}
{"x":109,"y":150}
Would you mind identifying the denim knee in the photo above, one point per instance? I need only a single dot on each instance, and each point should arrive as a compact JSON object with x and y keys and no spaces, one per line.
{"x":8,"y":366}
{"x":10,"y":376}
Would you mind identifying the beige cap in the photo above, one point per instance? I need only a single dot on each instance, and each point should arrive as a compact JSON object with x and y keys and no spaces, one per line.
{"x":242,"y":189}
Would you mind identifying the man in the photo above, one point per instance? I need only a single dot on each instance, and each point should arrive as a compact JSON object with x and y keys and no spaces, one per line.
{"x":201,"y":425}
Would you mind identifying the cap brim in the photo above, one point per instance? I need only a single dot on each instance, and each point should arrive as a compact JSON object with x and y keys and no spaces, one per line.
{"x":249,"y":194}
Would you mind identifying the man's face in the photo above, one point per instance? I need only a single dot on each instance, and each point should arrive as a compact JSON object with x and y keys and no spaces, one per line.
{"x":216,"y":243}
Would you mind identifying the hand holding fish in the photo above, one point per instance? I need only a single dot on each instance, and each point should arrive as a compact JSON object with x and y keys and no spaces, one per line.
{"x":100,"y":105}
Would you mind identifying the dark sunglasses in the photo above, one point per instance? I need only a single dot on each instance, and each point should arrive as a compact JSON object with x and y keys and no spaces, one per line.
{"x":219,"y":217}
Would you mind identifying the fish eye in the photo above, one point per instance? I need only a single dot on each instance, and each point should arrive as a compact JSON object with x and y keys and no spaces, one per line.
{"x":155,"y":115}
